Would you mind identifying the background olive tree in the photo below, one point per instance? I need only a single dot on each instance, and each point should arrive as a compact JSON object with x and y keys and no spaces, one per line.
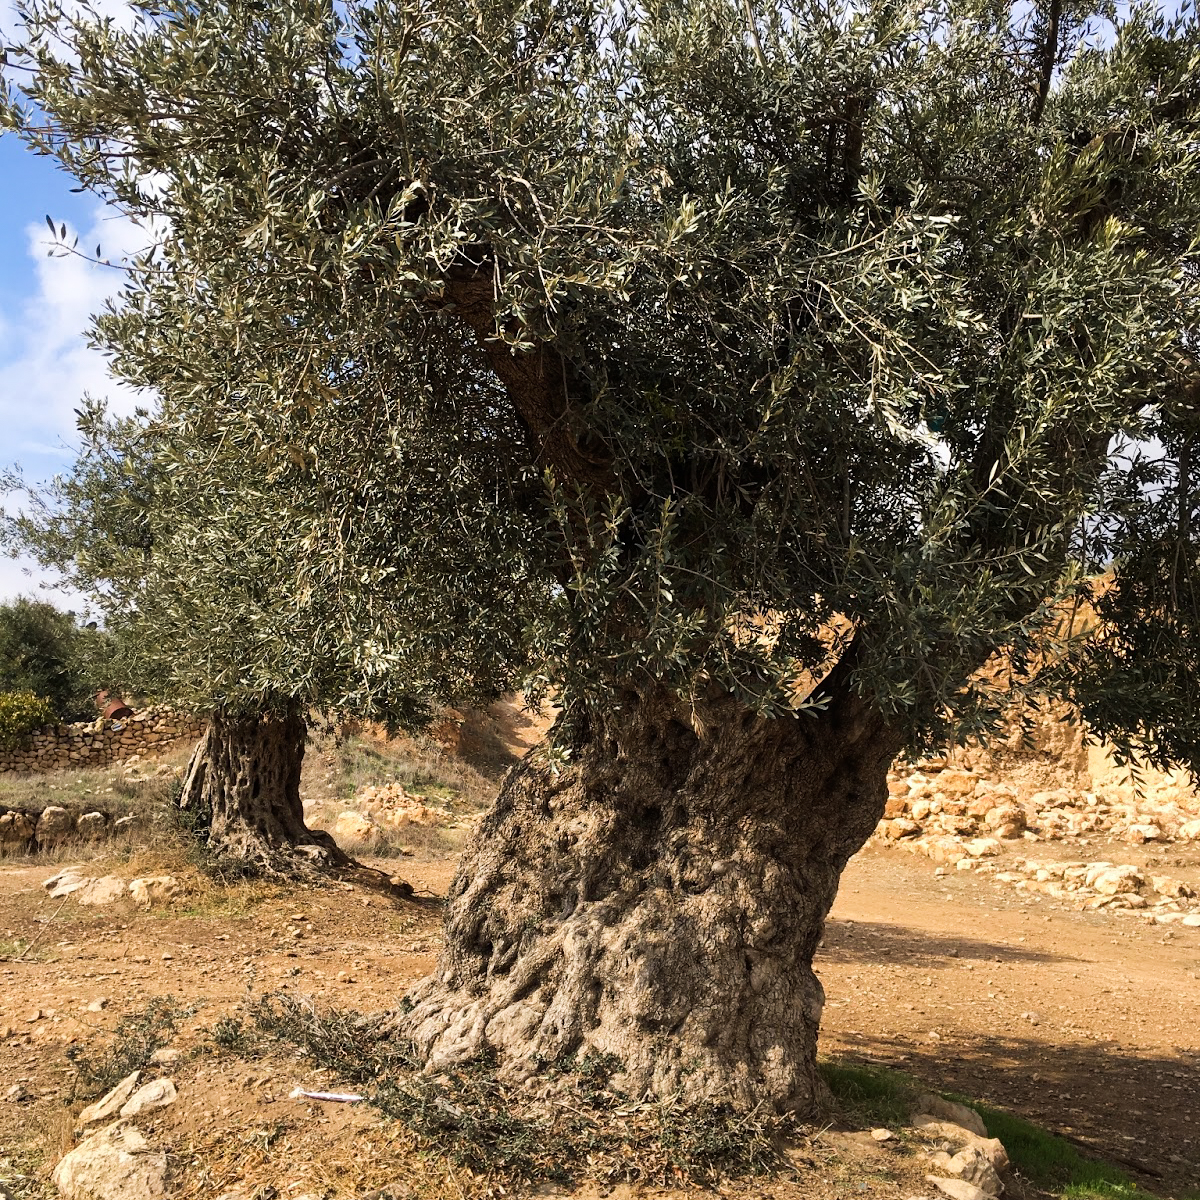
{"x":752,"y":374}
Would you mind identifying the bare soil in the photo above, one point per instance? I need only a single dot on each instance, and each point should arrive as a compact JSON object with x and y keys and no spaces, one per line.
{"x":1085,"y":1023}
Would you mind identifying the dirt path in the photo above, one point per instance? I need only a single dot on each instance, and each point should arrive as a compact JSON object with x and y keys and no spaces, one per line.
{"x":1086,"y":1023}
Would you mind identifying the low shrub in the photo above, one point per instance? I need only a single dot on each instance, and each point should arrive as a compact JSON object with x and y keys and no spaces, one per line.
{"x":21,"y":714}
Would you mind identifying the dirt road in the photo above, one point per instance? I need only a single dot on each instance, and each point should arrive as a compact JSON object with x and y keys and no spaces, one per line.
{"x":1087,"y":1023}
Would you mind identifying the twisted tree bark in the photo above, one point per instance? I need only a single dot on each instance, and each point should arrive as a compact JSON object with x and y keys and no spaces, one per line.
{"x":659,"y":900}
{"x":244,"y":779}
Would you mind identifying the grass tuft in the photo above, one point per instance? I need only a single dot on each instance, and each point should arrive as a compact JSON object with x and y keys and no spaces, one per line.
{"x":133,"y":1042}
{"x":1054,"y":1163}
{"x":870,"y":1095}
{"x":478,"y":1121}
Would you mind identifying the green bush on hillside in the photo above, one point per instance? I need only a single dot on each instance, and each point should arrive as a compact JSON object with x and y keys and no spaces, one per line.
{"x":22,"y":713}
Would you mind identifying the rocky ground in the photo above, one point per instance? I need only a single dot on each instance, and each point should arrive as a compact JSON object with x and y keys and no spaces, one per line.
{"x":1034,"y":947}
{"x":1085,"y":1021}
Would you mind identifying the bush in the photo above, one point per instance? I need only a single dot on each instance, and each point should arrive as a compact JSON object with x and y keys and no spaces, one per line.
{"x":22,"y":713}
{"x":45,"y":651}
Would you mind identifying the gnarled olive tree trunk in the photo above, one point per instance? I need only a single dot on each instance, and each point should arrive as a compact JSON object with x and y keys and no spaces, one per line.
{"x":660,"y":900}
{"x":244,"y":777}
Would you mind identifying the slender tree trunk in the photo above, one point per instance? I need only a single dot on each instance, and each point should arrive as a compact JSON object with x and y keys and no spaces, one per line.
{"x":244,"y":779}
{"x":659,"y":900}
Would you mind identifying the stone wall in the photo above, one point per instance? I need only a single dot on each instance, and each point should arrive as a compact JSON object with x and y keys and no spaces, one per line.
{"x":98,"y":743}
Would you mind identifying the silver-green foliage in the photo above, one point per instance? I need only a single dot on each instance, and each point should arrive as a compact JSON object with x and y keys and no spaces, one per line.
{"x":579,"y":341}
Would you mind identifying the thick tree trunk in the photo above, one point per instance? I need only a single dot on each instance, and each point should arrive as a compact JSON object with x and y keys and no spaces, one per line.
{"x":244,"y":779}
{"x":659,"y":900}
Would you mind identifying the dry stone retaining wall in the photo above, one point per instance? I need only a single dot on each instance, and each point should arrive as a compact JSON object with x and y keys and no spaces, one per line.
{"x":99,"y":743}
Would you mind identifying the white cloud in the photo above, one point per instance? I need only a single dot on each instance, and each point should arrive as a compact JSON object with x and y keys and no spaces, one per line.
{"x":46,"y":365}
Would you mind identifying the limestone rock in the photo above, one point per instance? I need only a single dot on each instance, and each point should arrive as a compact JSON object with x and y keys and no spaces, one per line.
{"x":948,"y":1110}
{"x":115,"y":1163}
{"x":158,"y":1093}
{"x":125,"y":824}
{"x":1189,"y":831}
{"x":91,"y":825}
{"x":15,"y":827}
{"x":154,"y":889}
{"x":68,"y":881}
{"x":972,"y":1164}
{"x":354,"y":827}
{"x":899,"y":828}
{"x":98,"y":892}
{"x":957,"y":1189}
{"x":109,"y":1105}
{"x":54,"y":824}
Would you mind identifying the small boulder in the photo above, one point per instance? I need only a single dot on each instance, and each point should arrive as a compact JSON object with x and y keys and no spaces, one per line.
{"x":154,"y":889}
{"x":1189,"y":831}
{"x":53,"y":825}
{"x":98,"y":892}
{"x":15,"y":828}
{"x":115,"y":1163}
{"x":91,"y":825}
{"x":125,"y":824}
{"x":158,"y":1093}
{"x":899,"y":828}
{"x":109,"y":1104}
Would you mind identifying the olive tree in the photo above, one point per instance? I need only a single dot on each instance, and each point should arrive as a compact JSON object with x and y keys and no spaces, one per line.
{"x":756,"y":370}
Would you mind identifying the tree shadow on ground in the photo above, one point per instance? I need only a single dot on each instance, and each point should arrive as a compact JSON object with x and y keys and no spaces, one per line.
{"x":1137,"y":1110}
{"x":848,"y":941}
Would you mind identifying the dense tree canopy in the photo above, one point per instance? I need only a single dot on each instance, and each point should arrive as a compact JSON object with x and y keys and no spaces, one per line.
{"x":45,"y":651}
{"x":601,"y":337}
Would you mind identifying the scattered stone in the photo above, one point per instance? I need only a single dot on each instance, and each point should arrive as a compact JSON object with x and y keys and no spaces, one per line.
{"x":165,"y":1055}
{"x":98,"y":892}
{"x":957,"y":1189}
{"x":158,"y":1093}
{"x":941,"y":1109}
{"x":53,"y":825}
{"x":109,"y":1104}
{"x":125,"y":824}
{"x":154,"y":889}
{"x":91,"y":825}
{"x":972,"y":1164}
{"x":882,"y":1135}
{"x":98,"y":1005}
{"x":115,"y":1163}
{"x":16,"y":1094}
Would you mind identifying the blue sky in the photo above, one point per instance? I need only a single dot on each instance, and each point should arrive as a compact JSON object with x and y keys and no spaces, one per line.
{"x":45,"y":303}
